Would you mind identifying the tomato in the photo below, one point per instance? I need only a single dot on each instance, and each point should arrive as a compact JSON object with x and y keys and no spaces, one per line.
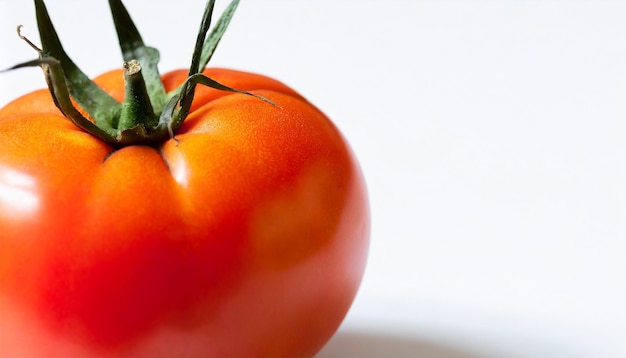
{"x":244,"y":235}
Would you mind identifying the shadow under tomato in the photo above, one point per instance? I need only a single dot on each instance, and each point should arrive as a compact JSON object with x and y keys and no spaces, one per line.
{"x":373,"y":345}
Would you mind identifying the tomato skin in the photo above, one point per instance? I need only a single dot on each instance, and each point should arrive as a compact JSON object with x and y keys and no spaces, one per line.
{"x":246,"y":236}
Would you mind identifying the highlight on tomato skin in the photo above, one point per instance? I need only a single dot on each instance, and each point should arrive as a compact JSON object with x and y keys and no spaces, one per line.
{"x":204,"y":212}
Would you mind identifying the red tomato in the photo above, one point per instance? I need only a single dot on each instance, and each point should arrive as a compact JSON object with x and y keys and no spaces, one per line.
{"x":152,"y":222}
{"x":245,"y":237}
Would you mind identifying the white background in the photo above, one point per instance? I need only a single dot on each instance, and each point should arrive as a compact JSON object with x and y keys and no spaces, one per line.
{"x":492,"y":137}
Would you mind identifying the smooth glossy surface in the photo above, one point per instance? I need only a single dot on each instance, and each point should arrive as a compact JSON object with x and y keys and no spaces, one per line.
{"x":247,"y":236}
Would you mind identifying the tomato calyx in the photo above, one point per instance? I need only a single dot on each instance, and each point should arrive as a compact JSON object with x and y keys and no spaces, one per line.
{"x":149,"y":115}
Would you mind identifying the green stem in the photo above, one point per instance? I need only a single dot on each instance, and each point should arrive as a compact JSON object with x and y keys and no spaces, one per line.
{"x":137,"y":108}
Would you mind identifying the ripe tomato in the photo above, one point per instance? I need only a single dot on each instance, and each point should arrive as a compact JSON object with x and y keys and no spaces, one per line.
{"x":245,"y":235}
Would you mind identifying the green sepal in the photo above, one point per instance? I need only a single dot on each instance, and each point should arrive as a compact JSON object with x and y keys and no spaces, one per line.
{"x":55,"y":78}
{"x":103,"y":108}
{"x":211,"y":42}
{"x":173,"y":118}
{"x":133,"y":48}
{"x":203,"y":51}
{"x":148,"y":115}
